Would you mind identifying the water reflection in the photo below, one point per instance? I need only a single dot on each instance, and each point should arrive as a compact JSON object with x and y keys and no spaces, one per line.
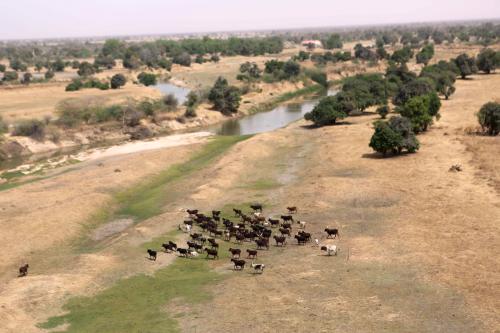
{"x":179,"y":92}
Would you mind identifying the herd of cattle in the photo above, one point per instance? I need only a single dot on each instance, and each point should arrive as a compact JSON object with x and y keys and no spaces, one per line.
{"x":254,"y":227}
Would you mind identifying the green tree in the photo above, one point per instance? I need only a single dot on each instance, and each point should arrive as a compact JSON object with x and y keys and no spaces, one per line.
{"x":383,"y":111}
{"x":57,"y":66}
{"x":224,"y":97}
{"x":402,"y":56}
{"x":466,"y":65}
{"x":165,"y":64}
{"x":417,"y":87}
{"x":113,"y":48}
{"x":488,"y":60}
{"x":105,"y":61}
{"x":421,"y":110}
{"x":117,"y":81}
{"x":489,"y":118}
{"x":3,"y":68}
{"x":49,"y":75}
{"x":86,"y":69}
{"x":27,"y":78}
{"x":147,"y":79}
{"x":327,"y":112}
{"x":334,"y":41}
{"x":426,"y":54}
{"x":385,"y":139}
{"x":291,"y":69}
{"x":17,"y":65}
{"x":214,"y":58}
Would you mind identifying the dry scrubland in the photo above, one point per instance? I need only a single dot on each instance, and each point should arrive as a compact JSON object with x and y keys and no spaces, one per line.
{"x":417,"y":249}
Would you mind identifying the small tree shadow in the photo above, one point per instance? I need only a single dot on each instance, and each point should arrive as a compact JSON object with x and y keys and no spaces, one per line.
{"x":379,"y":156}
{"x":312,"y":126}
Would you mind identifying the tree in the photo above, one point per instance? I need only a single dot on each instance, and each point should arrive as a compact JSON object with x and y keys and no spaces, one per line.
{"x":403,"y":55}
{"x":86,"y":69}
{"x":426,"y":54}
{"x":183,"y":59}
{"x":466,"y":65}
{"x":57,"y":66}
{"x":443,"y":77}
{"x":489,"y":118}
{"x":403,"y":126}
{"x":3,"y":68}
{"x":333,"y":42}
{"x":421,"y":110}
{"x":328,"y":110}
{"x":488,"y":60}
{"x":113,"y":48}
{"x":147,"y":79}
{"x":383,"y":111}
{"x":302,"y":56}
{"x":364,"y":53}
{"x":385,"y":139}
{"x":418,"y":87}
{"x":215,"y":58}
{"x":106,"y":61}
{"x":117,"y":81}
{"x":249,"y":72}
{"x":224,"y":97}
{"x":291,"y":69}
{"x":17,"y":65}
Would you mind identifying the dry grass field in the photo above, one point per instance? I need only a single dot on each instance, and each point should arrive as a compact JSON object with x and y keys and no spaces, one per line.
{"x":417,"y":253}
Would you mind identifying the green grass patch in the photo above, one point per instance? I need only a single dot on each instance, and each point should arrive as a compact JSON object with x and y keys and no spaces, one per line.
{"x":135,"y":304}
{"x":146,"y":200}
{"x":262,"y":185}
{"x":266,"y":106}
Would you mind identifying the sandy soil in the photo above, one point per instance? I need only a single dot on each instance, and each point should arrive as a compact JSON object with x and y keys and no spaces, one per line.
{"x":416,"y":249}
{"x":37,"y":100}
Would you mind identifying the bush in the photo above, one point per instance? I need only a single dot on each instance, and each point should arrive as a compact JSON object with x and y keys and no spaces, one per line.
{"x":224,"y":97}
{"x":147,"y":79}
{"x":3,"y":68}
{"x":190,"y":112}
{"x":214,"y":58}
{"x":333,"y":42}
{"x":328,"y":110}
{"x":10,"y":76}
{"x":49,"y":74}
{"x":383,"y":111}
{"x":489,"y":118}
{"x":118,"y":80}
{"x":170,"y":102}
{"x":74,"y":86}
{"x":32,"y":128}
{"x":86,"y":69}
{"x":165,"y":64}
{"x":318,"y":77}
{"x":27,"y":78}
{"x":17,"y":65}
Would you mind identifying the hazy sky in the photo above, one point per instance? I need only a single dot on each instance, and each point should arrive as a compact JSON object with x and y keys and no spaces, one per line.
{"x":70,"y":18}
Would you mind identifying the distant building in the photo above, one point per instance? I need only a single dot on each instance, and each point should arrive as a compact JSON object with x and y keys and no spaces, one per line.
{"x":312,"y":44}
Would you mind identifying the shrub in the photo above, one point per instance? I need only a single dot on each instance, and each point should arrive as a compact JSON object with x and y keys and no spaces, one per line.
{"x":199,"y":59}
{"x":383,"y":111}
{"x":118,"y":80}
{"x":86,"y":69}
{"x":147,"y":79}
{"x":328,"y":110}
{"x":334,"y":41}
{"x":165,"y":64}
{"x":224,"y":97}
{"x":3,"y":68}
{"x":57,"y":66}
{"x":190,"y":112}
{"x":170,"y":102}
{"x":49,"y":74}
{"x":27,"y":78}
{"x":215,"y":58}
{"x":10,"y":76}
{"x":192,"y":99}
{"x":489,"y":118}
{"x":32,"y":128}
{"x":318,"y":77}
{"x":17,"y":65}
